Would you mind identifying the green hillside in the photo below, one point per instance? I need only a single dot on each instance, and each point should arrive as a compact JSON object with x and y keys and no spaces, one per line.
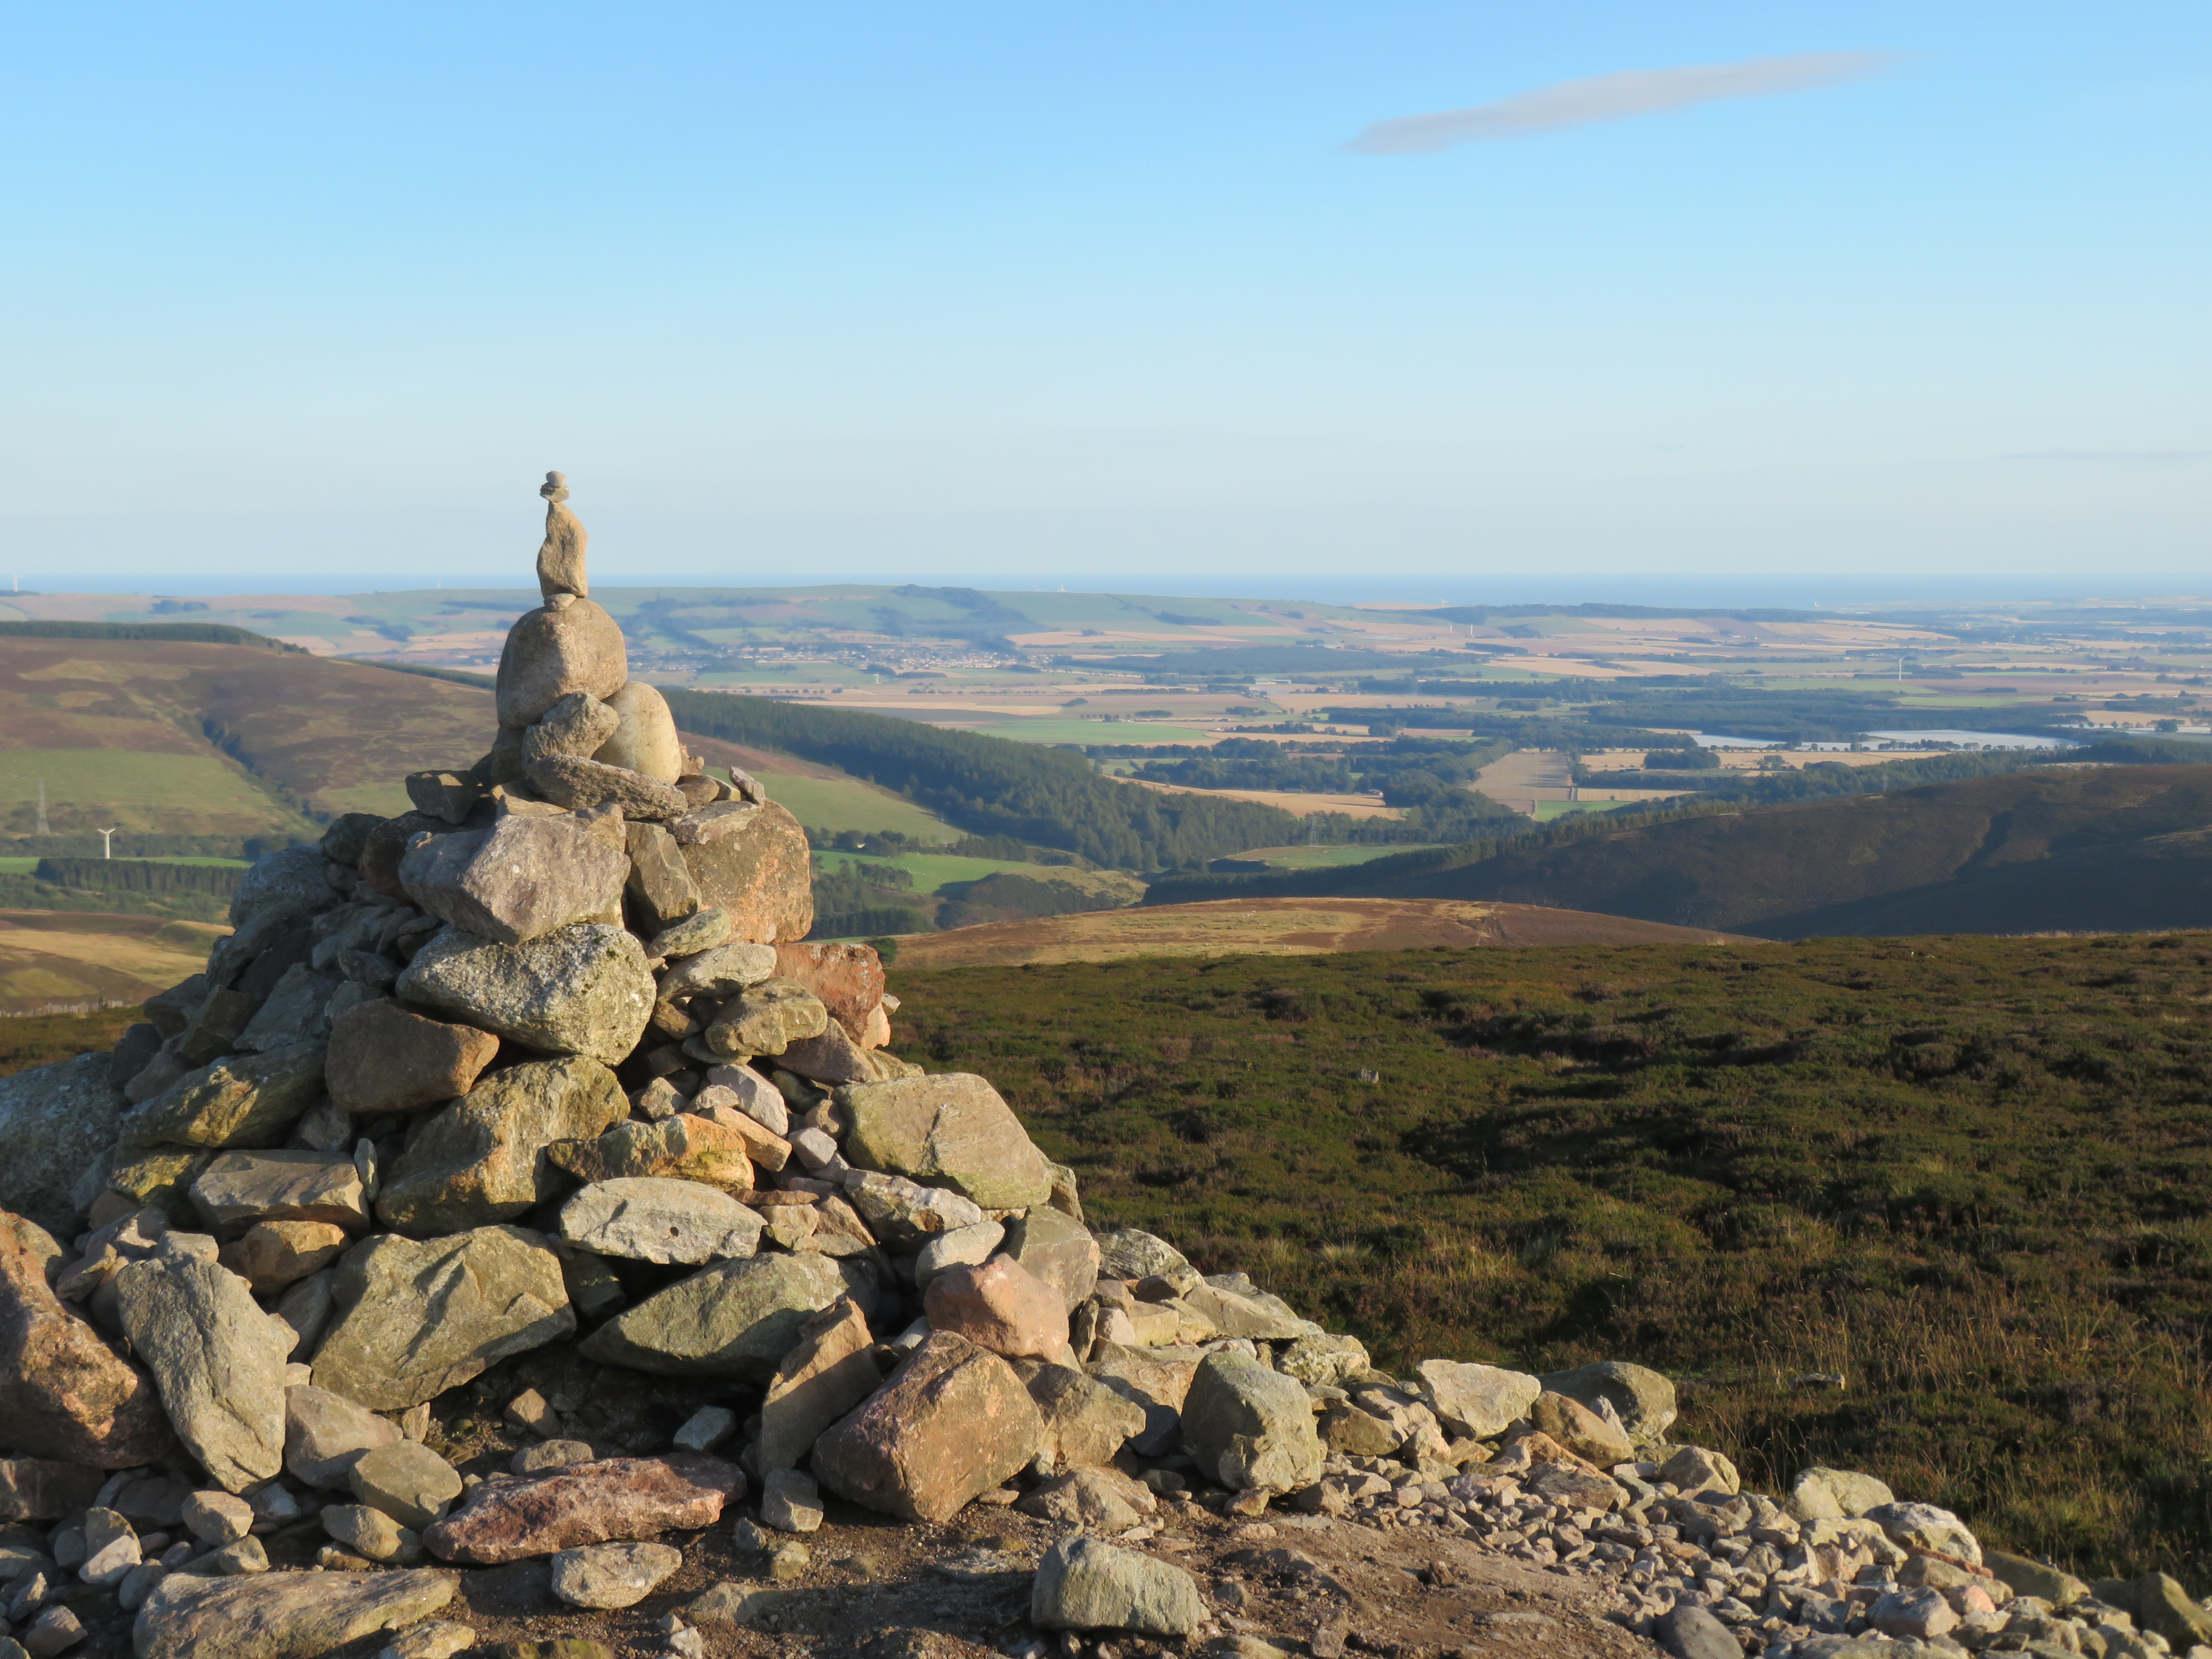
{"x":2051,"y":849}
{"x":1973,"y":1176}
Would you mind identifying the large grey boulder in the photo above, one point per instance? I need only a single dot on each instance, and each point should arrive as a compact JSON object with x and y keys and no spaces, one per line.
{"x":951,"y":1130}
{"x":294,"y":1012}
{"x":551,"y":652}
{"x":1250,"y":1427}
{"x":1642,"y":1398}
{"x":282,"y":1615}
{"x":1060,"y":1251}
{"x":1132,"y":1252}
{"x":902,"y":1212}
{"x":518,"y":880}
{"x":577,"y":724}
{"x":217,"y":1359}
{"x":239,"y":1188}
{"x":1476,"y":1399}
{"x":1825,"y":1494}
{"x":290,"y":883}
{"x":1085,"y":1583}
{"x":243,"y":1100}
{"x":580,"y":990}
{"x":482,"y":1159}
{"x":653,"y":1218}
{"x":416,"y":1317}
{"x":736,"y":1318}
{"x":54,"y":1121}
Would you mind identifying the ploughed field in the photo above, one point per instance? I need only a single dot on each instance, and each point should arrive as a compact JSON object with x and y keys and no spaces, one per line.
{"x":1969,"y":1176}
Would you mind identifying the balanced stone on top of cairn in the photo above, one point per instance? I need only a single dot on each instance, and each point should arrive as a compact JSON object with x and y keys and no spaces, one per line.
{"x":561,"y":559}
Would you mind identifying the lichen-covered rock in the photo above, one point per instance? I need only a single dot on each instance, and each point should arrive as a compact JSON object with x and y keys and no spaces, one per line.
{"x":289,"y":882}
{"x":766,"y":1018}
{"x":580,"y":990}
{"x":1250,"y":1427}
{"x":950,"y":1129}
{"x":1642,"y":1398}
{"x":217,"y":1359}
{"x":244,"y":1100}
{"x":751,"y":861}
{"x":552,"y":653}
{"x":653,"y":1218}
{"x":414,"y":1318}
{"x":736,"y":1318}
{"x":683,"y":1146}
{"x":1085,"y":1583}
{"x":483,"y":1159}
{"x":518,"y":880}
{"x":952,"y":1422}
{"x":54,"y":1121}
{"x":282,"y":1615}
{"x":1059,"y":1250}
{"x":64,"y":1394}
{"x":239,"y":1188}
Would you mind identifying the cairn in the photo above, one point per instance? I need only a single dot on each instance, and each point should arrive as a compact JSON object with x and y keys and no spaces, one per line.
{"x":542,"y":1083}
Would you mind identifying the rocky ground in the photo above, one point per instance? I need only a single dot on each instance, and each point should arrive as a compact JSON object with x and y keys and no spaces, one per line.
{"x":518,"y":1241}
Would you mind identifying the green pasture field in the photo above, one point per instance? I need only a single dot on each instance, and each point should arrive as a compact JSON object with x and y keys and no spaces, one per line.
{"x":1971,"y":1175}
{"x":839,"y":804}
{"x":138,"y":790}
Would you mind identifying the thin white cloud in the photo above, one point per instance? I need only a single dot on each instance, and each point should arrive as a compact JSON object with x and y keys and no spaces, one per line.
{"x":1615,"y":97}
{"x":2135,"y":456}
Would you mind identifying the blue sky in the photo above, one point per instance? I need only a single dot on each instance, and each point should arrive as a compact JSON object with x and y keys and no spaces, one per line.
{"x":306,"y":298}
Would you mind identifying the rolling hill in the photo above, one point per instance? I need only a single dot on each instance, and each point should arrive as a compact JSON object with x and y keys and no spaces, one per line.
{"x":2058,"y":848}
{"x":176,"y":736}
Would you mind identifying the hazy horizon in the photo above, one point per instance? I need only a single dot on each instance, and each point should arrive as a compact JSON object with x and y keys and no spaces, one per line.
{"x":1418,"y":299}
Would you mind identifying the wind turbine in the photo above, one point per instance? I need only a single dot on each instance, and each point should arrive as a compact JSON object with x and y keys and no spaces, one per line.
{"x":107,"y":841}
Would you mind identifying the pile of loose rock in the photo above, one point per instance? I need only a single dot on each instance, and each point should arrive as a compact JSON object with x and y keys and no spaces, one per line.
{"x":528,"y":1119}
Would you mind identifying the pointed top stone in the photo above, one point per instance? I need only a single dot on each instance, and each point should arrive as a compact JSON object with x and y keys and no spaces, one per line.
{"x":560,"y":558}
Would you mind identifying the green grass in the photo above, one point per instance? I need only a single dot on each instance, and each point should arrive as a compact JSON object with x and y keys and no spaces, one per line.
{"x":131,"y":787}
{"x":1973,"y":1175}
{"x":839,"y":804}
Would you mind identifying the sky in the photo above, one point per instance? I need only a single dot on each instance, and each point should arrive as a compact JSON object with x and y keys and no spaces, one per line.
{"x":1762,"y":302}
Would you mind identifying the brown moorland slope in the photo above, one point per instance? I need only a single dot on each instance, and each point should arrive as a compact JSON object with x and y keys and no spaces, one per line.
{"x":212,"y":739}
{"x":1283,"y":928}
{"x":2099,"y":848}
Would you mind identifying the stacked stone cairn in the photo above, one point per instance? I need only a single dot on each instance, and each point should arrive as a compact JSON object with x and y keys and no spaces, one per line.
{"x":541,"y":1081}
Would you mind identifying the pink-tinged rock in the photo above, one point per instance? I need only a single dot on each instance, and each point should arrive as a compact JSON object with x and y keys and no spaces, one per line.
{"x":585,"y":1503}
{"x":849,"y":978}
{"x":64,"y":1394}
{"x":752,"y":862}
{"x":953,"y":1422}
{"x":1002,"y":1306}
